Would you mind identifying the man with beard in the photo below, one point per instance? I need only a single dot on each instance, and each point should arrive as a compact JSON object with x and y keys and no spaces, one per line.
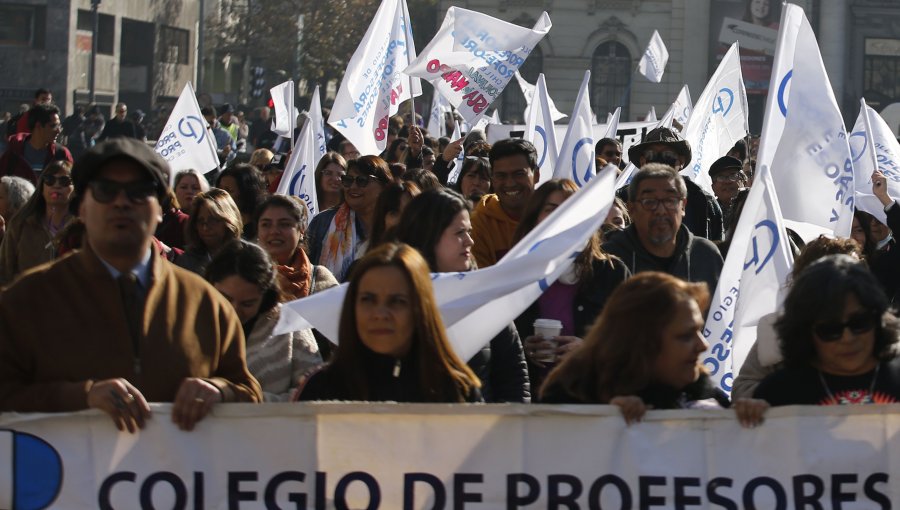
{"x":657,"y":240}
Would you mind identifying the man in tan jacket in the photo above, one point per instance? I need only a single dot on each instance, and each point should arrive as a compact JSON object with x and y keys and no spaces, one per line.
{"x":114,"y":326}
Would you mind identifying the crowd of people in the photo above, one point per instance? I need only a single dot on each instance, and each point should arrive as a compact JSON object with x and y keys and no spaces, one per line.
{"x":119,"y":290}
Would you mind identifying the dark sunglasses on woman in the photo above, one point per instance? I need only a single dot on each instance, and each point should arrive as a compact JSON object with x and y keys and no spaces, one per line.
{"x":858,"y":323}
{"x":361,"y":180}
{"x":57,"y":180}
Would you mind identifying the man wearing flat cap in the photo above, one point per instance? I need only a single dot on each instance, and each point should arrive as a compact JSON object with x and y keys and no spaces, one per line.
{"x":702,"y":214}
{"x":113,"y":326}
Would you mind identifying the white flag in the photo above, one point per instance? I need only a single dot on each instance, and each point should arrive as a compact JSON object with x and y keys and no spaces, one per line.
{"x":576,"y":156}
{"x":473,"y":57}
{"x":186,"y":141}
{"x":299,"y":178}
{"x":757,"y":266}
{"x":477,"y":305}
{"x":315,"y":116}
{"x":373,"y":86}
{"x":528,"y":90}
{"x":719,"y":119}
{"x":283,"y":98}
{"x":653,"y":63}
{"x":460,"y":159}
{"x":874,"y":145}
{"x":679,"y":111}
{"x":495,"y":118}
{"x":626,"y":176}
{"x":812,"y":167}
{"x":437,"y":126}
{"x":612,"y":123}
{"x":651,"y":115}
{"x":539,"y":130}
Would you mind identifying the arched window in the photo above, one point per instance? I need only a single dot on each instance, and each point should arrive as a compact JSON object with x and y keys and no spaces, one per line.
{"x":512,"y":101}
{"x":611,"y":70}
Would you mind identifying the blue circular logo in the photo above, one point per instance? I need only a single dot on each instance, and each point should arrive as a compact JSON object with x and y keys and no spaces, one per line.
{"x":856,"y":154}
{"x":192,"y":127}
{"x":766,"y":233}
{"x":719,"y":105}
{"x":782,"y":91}
{"x":582,"y":179}
{"x":539,"y":130}
{"x":37,"y":471}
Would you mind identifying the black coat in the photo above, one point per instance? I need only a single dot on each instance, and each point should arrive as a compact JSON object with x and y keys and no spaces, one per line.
{"x":885,"y":263}
{"x":502,"y":368}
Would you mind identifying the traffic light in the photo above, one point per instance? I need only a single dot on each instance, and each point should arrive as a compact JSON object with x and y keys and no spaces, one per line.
{"x":257,"y":81}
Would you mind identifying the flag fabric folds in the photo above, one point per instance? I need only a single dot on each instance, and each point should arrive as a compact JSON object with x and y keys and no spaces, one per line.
{"x":653,"y":62}
{"x":186,"y":141}
{"x":539,"y":130}
{"x":576,"y":155}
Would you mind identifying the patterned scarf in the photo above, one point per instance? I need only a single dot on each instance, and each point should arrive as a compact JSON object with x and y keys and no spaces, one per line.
{"x":294,"y":278}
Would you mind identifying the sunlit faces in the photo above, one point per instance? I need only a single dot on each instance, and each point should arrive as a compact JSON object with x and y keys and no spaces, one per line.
{"x":121,"y":226}
{"x":49,"y":131}
{"x":726,"y":185}
{"x":211,"y":229}
{"x":658,"y":211}
{"x":245,"y":297}
{"x":553,"y":201}
{"x":331,"y":178}
{"x":279,"y":234}
{"x":513,"y":180}
{"x":878,"y":229}
{"x":853,"y":353}
{"x":453,"y":252}
{"x":362,"y":198}
{"x":474,"y":183}
{"x":57,"y":188}
{"x":187,"y":189}
{"x":677,"y":364}
{"x":615,"y":217}
{"x":384,"y":316}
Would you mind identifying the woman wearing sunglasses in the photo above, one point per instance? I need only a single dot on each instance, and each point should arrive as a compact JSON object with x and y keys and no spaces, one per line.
{"x":215,"y":220}
{"x":28,"y":241}
{"x":837,"y":336}
{"x":335,"y":235}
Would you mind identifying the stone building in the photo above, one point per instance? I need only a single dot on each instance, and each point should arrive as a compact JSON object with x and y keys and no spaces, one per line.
{"x":145,"y":51}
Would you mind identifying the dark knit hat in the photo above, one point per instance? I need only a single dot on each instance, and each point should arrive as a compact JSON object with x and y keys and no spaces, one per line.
{"x":725,"y":163}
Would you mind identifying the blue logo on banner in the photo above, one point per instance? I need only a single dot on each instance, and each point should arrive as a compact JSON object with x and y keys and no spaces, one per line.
{"x":719,"y":104}
{"x":539,"y":130}
{"x":587,"y":171}
{"x":192,"y":127}
{"x":764,"y":226}
{"x":865,"y":142}
{"x":782,"y":90}
{"x":36,"y":470}
{"x":300,"y":175}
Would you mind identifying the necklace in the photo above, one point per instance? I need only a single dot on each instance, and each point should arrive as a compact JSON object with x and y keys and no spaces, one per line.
{"x":867,"y":399}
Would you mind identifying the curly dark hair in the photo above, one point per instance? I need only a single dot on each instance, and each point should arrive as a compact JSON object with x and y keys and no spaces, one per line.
{"x":818,"y":293}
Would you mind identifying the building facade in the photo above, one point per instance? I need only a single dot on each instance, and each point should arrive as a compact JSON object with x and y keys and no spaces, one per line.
{"x":146,"y":51}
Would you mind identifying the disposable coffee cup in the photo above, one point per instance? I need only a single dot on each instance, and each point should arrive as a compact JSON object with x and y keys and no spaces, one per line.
{"x":548,"y":329}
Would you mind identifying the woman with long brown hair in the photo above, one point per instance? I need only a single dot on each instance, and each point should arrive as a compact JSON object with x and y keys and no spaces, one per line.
{"x":392,"y":342}
{"x":329,"y":171}
{"x":215,"y":220}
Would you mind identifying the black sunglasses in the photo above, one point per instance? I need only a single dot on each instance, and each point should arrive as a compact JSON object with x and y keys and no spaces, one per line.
{"x":858,"y":324}
{"x":105,"y":191}
{"x":57,"y":180}
{"x":361,"y":180}
{"x":665,"y":157}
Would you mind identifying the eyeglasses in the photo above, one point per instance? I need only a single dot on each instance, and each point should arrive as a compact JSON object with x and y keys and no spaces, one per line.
{"x":665,"y":157}
{"x":57,"y":180}
{"x":652,"y":204}
{"x":730,"y":177}
{"x":105,"y":191}
{"x":858,"y":324}
{"x":361,"y":180}
{"x":212,"y":221}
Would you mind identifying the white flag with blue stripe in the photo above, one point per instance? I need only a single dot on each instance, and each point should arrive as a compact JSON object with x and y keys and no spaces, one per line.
{"x":576,"y":155}
{"x":874,"y":146}
{"x":539,"y":130}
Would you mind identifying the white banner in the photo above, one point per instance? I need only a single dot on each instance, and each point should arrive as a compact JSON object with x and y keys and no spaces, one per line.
{"x":477,"y":305}
{"x":473,"y":57}
{"x":299,"y":177}
{"x":460,"y":158}
{"x":528,"y":90}
{"x":812,"y":167}
{"x":373,"y":86}
{"x":653,"y":63}
{"x":421,"y":456}
{"x":285,"y":112}
{"x":756,"y":268}
{"x":873,"y":146}
{"x":187,"y":142}
{"x":719,"y":119}
{"x":576,"y":155}
{"x":539,"y":129}
{"x":315,"y":116}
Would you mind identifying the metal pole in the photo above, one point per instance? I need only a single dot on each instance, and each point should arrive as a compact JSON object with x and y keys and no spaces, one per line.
{"x":95,"y":5}
{"x":200,"y":41}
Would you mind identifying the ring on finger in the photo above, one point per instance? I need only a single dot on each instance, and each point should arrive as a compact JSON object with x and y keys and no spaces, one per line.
{"x":199,"y":400}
